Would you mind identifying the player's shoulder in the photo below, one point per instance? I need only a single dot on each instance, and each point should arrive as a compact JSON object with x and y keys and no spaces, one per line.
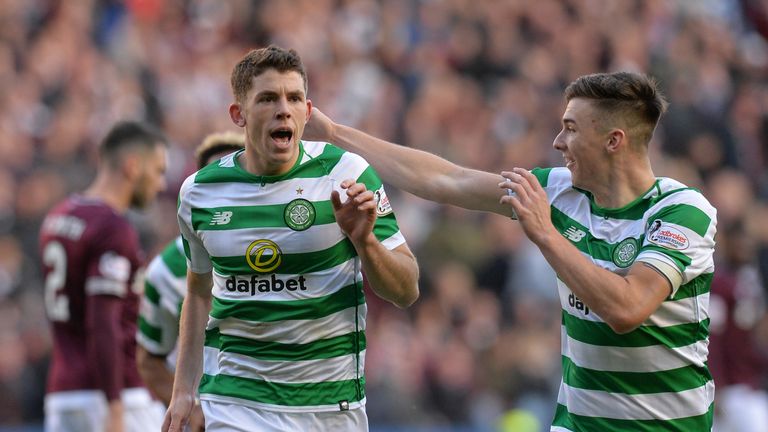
{"x":173,"y":249}
{"x":553,"y":178}
{"x":673,"y":192}
{"x":225,"y":170}
{"x":171,"y":259}
{"x":92,"y":213}
{"x":329,"y":154}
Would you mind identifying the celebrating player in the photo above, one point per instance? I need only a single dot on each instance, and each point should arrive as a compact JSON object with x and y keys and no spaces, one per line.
{"x":267,"y":228}
{"x":633,"y":253}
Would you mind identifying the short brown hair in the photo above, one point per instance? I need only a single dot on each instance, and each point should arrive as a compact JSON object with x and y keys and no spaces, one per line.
{"x":217,"y":143}
{"x":631,"y":98}
{"x":259,"y":61}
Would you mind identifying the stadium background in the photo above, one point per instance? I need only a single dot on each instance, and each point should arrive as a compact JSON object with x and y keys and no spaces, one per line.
{"x":478,"y":82}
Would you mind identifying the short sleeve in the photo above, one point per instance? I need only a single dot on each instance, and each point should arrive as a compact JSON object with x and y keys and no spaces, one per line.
{"x":386,"y":228}
{"x":197,"y":256}
{"x":679,"y":236}
{"x":115,"y":255}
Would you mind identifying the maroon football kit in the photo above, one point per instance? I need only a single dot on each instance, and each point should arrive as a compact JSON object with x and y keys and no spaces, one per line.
{"x":90,"y":256}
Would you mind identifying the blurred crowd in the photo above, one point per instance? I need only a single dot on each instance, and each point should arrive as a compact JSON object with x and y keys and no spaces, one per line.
{"x":479,"y":82}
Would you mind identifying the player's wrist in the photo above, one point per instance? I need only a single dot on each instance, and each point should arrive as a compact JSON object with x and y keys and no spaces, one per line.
{"x":365,"y":243}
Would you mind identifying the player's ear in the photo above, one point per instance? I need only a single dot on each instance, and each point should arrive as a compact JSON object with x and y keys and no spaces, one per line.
{"x":309,"y":109}
{"x":131,"y":166}
{"x":616,"y":138}
{"x":236,"y":114}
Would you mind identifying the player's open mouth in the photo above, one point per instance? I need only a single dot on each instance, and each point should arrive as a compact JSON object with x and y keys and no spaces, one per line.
{"x":282,"y":135}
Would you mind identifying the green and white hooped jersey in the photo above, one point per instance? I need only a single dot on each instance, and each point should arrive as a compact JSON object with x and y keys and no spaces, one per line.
{"x":654,"y":378}
{"x":286,"y":331}
{"x":165,"y":285}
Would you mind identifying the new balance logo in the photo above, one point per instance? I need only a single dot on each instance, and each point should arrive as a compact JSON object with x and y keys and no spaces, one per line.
{"x":221,"y":218}
{"x":574,"y":234}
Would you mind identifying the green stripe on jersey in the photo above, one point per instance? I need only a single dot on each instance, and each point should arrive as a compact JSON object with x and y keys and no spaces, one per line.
{"x":542,"y":175}
{"x":598,"y":333}
{"x":579,"y":423}
{"x":150,"y":331}
{"x":370,"y":179}
{"x":305,"y":394}
{"x":336,"y":346}
{"x":255,"y":216}
{"x":185,"y":244}
{"x":694,"y":288}
{"x":602,"y":250}
{"x":270,"y":311}
{"x":298,"y":263}
{"x":675,"y":380}
{"x":386,"y":227}
{"x":174,"y":260}
{"x":150,"y":292}
{"x":684,"y":215}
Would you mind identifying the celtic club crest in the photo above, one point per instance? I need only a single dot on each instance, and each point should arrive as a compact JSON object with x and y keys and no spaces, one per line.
{"x":299,"y":214}
{"x":625,"y":252}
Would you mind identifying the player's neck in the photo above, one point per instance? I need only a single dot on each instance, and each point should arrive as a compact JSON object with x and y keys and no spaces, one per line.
{"x":623,"y":186}
{"x":113,"y":192}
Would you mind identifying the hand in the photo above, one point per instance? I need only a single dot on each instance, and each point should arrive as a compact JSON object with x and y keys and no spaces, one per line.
{"x":358,"y":214}
{"x":319,"y":127}
{"x":530,"y":203}
{"x":179,"y":412}
{"x":196,"y":419}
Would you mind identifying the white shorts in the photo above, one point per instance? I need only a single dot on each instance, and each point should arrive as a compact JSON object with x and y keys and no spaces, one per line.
{"x":741,"y":408}
{"x":87,"y":410}
{"x":226,"y":417}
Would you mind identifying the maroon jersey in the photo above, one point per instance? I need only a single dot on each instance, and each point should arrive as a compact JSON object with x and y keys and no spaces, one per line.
{"x":90,"y":257}
{"x":735,"y":306}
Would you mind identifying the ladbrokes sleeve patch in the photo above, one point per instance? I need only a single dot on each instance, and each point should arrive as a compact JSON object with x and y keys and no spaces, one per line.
{"x":383,"y":207}
{"x":667,"y":236}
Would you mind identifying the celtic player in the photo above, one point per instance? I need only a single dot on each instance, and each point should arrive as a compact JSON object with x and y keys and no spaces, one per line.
{"x":165,"y":286}
{"x":632,"y":252}
{"x":279,"y":342}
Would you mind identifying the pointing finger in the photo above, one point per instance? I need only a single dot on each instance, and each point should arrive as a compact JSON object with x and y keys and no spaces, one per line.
{"x":336,"y":200}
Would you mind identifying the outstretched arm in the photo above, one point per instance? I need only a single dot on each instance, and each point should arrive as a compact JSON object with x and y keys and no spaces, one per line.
{"x":418,"y":172}
{"x":392,"y":274}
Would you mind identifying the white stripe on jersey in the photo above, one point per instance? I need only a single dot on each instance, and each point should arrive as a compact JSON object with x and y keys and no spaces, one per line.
{"x":294,"y":372}
{"x":630,"y":359}
{"x":295,"y":331}
{"x":235,"y":242}
{"x":664,"y":406}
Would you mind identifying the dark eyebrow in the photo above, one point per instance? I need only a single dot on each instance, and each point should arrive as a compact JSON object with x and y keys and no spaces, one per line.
{"x":274,"y":93}
{"x":567,"y":121}
{"x":266,"y":93}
